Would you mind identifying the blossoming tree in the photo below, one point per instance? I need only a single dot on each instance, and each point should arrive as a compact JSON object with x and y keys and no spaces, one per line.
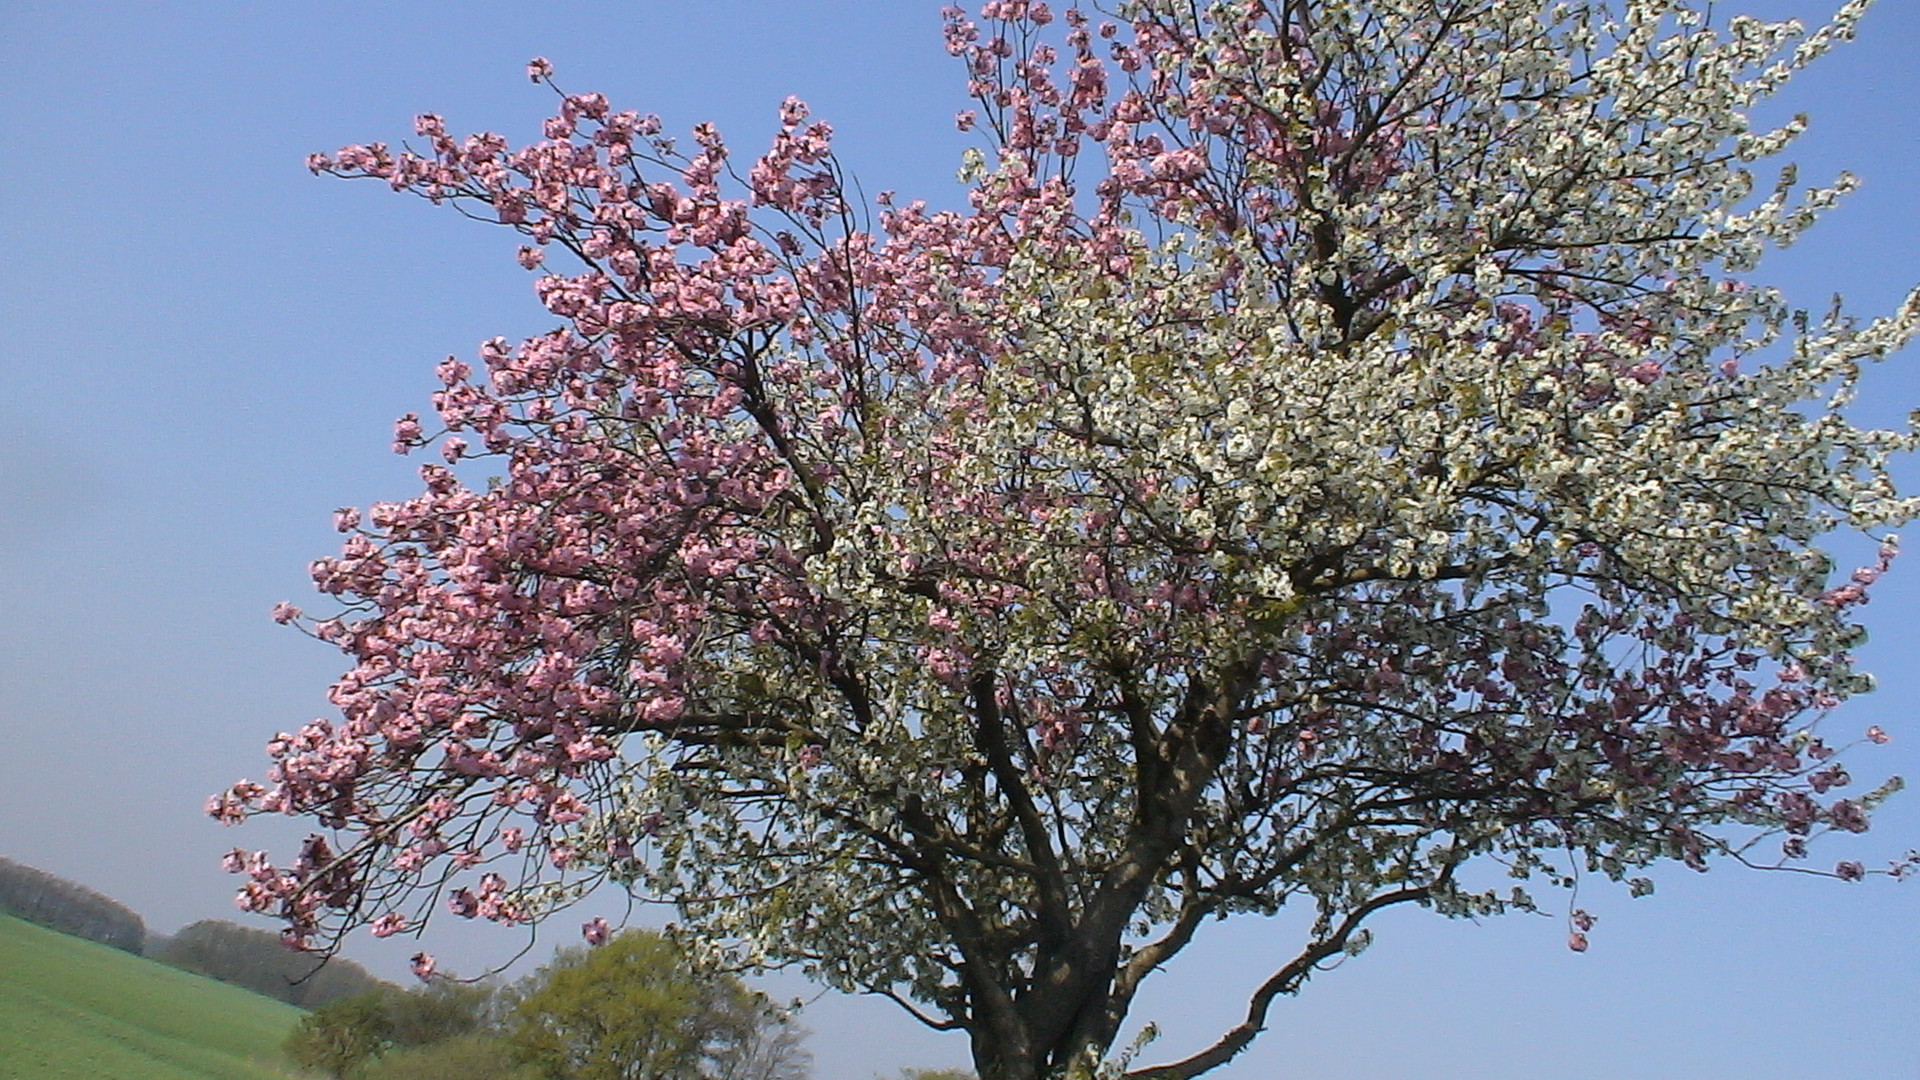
{"x":1333,"y":461}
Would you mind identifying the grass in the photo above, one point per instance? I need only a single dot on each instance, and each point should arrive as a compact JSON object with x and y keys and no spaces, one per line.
{"x":74,"y":1010}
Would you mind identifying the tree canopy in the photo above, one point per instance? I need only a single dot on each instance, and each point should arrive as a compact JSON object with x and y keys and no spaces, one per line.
{"x":69,"y":907}
{"x":346,"y":1034}
{"x":1338,"y":458}
{"x":256,"y":959}
{"x":340,"y":1036}
{"x":635,"y":1009}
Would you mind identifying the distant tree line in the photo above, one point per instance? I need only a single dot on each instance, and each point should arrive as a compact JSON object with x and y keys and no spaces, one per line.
{"x":256,"y":960}
{"x":243,"y":956}
{"x":69,"y":907}
{"x":634,"y":1007}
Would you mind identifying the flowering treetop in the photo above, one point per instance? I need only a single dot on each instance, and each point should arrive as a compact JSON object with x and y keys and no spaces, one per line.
{"x":1334,"y":454}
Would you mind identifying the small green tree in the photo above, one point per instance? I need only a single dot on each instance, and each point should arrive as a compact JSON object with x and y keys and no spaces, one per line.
{"x":474,"y":1056}
{"x":439,"y":1011}
{"x":752,"y":1039}
{"x":637,"y":1009}
{"x":341,"y":1035}
{"x":346,"y":1035}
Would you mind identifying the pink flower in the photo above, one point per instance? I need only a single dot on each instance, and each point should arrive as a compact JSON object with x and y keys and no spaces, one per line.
{"x":1577,"y":941}
{"x":1878,"y":735}
{"x":531,"y":257}
{"x":595,"y":931}
{"x":1847,"y":814}
{"x":1850,"y":871}
{"x":406,"y":433}
{"x":793,"y":112}
{"x":539,"y":68}
{"x":389,"y":924}
{"x":423,"y":966}
{"x":284,"y":613}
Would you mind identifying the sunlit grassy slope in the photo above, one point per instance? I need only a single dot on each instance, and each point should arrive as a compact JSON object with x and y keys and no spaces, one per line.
{"x":74,"y":1010}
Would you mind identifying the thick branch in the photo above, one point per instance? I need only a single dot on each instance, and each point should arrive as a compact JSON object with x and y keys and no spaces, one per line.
{"x":1049,"y":881}
{"x":937,"y":1025}
{"x":1285,"y":981}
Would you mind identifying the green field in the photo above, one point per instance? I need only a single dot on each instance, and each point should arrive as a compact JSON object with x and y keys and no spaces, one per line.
{"x":74,"y":1010}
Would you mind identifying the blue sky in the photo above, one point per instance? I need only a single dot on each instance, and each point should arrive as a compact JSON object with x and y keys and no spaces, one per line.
{"x":202,"y":349}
